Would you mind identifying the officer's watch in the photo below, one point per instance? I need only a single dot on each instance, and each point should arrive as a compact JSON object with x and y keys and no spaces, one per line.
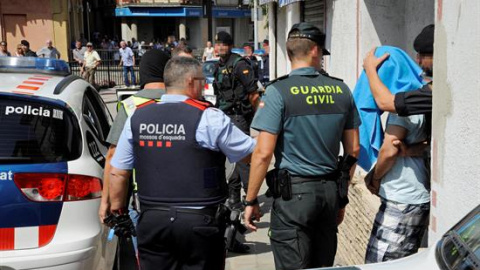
{"x":250,"y":203}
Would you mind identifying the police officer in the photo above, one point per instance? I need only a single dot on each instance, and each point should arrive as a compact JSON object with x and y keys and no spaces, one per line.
{"x":405,"y":103}
{"x":179,"y":161}
{"x":236,"y":90}
{"x":303,"y":117}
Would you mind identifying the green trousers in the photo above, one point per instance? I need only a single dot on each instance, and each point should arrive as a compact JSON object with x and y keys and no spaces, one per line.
{"x":303,"y":231}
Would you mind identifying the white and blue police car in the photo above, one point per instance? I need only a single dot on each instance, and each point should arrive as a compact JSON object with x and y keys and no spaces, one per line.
{"x":53,"y":127}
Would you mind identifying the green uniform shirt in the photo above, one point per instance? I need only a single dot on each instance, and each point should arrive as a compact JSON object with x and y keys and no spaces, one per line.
{"x":121,"y":118}
{"x":309,"y":137}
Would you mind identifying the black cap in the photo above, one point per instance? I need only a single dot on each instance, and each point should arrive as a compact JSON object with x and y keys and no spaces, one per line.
{"x":152,"y":66}
{"x":25,"y":43}
{"x":424,"y":42}
{"x":224,"y":37}
{"x":310,"y":31}
{"x":248,"y":45}
{"x":265,"y":41}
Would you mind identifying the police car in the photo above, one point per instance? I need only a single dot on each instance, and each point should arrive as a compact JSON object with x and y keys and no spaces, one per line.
{"x":52,"y":144}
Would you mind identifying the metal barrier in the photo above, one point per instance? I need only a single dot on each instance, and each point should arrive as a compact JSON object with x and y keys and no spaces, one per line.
{"x":109,"y":74}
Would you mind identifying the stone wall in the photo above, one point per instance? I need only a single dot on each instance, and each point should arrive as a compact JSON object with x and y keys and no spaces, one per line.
{"x":355,"y":230}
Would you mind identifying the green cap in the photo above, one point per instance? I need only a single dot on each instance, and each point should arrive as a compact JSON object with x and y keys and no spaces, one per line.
{"x":309,"y":31}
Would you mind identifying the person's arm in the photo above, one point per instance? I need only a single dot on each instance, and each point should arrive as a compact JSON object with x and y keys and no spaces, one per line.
{"x":118,"y":188}
{"x":414,"y":102}
{"x":383,"y":96}
{"x":98,"y":60}
{"x":58,"y":54}
{"x":351,"y":145}
{"x":105,"y":202}
{"x":387,"y":155}
{"x":246,"y":76}
{"x":133,"y":59}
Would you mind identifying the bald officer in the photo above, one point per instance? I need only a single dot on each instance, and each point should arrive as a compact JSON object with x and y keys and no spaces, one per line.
{"x":303,"y":118}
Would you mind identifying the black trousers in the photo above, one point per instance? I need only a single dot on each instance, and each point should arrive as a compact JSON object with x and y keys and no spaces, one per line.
{"x":303,"y":230}
{"x":175,"y":240}
{"x":242,"y":170}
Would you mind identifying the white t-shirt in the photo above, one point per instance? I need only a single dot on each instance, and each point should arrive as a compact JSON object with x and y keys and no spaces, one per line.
{"x":208,"y":53}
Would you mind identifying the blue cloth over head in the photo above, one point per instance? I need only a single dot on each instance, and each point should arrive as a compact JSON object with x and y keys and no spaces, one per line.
{"x":399,"y":73}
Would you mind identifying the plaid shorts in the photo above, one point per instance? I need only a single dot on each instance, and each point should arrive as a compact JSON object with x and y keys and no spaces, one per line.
{"x":397,"y":231}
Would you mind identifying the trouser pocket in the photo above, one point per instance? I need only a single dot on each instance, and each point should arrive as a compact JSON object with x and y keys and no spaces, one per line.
{"x":286,"y":249}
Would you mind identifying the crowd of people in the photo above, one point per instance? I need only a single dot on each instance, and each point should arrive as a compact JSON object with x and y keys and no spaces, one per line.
{"x":23,"y":50}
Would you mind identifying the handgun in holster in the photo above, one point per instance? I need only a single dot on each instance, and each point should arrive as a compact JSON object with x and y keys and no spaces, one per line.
{"x":343,"y":167}
{"x":279,"y":184}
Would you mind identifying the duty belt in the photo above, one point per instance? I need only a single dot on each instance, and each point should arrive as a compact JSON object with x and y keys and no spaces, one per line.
{"x":296,"y":179}
{"x":207,"y":210}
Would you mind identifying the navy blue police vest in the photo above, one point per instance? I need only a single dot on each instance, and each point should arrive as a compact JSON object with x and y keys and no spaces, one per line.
{"x":171,"y":168}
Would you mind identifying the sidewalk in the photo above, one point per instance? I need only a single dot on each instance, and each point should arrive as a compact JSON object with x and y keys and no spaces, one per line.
{"x":260,"y":257}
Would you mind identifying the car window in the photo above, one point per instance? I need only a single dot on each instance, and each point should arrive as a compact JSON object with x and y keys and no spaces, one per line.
{"x":37,"y":131}
{"x":461,"y":247}
{"x":96,"y":114}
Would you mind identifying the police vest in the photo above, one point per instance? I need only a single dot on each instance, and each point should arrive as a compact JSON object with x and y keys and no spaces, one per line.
{"x":229,"y":89}
{"x":132,"y":102}
{"x":171,"y":167}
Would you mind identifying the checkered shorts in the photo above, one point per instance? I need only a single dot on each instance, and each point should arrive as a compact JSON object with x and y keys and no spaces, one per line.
{"x":397,"y":231}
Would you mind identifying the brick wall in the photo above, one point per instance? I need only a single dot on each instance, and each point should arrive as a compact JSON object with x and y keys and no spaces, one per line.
{"x":355,"y":230}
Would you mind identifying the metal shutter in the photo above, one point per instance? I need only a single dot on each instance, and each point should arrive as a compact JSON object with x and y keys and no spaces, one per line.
{"x":314,"y":12}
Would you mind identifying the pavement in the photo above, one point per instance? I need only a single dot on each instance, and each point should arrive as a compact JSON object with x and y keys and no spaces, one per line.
{"x":260,"y":257}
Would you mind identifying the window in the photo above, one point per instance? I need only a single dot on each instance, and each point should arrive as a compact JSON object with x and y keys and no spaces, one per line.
{"x":37,"y":131}
{"x":96,"y":114}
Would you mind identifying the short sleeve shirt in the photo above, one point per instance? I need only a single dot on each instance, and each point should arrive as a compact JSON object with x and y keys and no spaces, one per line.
{"x":127,"y":56}
{"x":79,"y":53}
{"x":407,"y":181}
{"x":215,"y":131}
{"x":91,"y":58}
{"x":46,"y":52}
{"x":308,"y":144}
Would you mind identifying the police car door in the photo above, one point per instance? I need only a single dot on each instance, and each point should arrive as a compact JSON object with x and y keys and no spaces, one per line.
{"x":96,"y":125}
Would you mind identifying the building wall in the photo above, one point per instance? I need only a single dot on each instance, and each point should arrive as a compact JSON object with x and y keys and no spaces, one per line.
{"x":355,"y":27}
{"x":195,"y":38}
{"x":456,"y":125}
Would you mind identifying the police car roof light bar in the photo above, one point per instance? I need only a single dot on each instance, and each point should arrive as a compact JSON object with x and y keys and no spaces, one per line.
{"x":34,"y":65}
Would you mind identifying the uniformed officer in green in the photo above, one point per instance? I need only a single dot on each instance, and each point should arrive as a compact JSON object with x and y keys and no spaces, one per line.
{"x":303,"y":118}
{"x":236,"y":90}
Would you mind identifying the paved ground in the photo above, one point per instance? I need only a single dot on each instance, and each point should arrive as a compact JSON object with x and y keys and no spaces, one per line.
{"x":261,"y":257}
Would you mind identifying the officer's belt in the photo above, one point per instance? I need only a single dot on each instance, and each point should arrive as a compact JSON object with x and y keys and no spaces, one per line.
{"x":208,"y":210}
{"x":296,"y":179}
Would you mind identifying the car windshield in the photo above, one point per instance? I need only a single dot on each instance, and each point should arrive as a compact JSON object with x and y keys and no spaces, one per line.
{"x":209,"y":68}
{"x":35,"y":131}
{"x":461,"y":247}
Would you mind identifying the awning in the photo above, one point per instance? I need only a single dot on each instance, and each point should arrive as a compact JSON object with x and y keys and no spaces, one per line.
{"x":264,"y":2}
{"x":180,"y":12}
{"x":281,"y":3}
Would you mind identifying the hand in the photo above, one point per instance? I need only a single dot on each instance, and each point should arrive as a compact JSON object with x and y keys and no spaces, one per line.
{"x":340,"y":216}
{"x":252,"y":213}
{"x":374,"y":186}
{"x":402,"y":148}
{"x":103,"y":210}
{"x":371,"y":62}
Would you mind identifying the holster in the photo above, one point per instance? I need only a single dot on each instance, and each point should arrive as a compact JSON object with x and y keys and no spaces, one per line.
{"x":279,"y":184}
{"x":344,"y":166}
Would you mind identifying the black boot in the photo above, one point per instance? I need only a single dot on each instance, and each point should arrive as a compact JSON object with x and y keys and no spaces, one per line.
{"x":239,"y":248}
